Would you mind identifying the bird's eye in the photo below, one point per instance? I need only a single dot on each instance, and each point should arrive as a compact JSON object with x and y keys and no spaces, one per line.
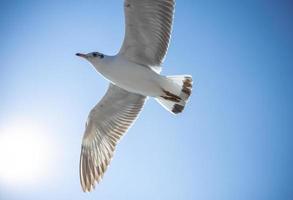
{"x":101,"y":56}
{"x":95,"y":54}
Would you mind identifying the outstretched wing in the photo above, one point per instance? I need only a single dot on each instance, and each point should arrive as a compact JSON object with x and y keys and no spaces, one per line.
{"x":148,"y":25}
{"x":107,"y":122}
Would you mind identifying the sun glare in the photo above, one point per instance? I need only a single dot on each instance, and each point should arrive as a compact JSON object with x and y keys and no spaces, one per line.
{"x":25,"y":151}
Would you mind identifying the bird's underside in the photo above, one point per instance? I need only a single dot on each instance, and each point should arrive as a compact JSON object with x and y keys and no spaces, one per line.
{"x":148,"y":29}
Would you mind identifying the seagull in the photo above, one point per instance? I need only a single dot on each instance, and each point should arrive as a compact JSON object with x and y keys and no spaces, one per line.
{"x":134,"y":75}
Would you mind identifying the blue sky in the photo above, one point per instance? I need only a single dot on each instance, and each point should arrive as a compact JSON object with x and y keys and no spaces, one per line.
{"x":234,"y":140}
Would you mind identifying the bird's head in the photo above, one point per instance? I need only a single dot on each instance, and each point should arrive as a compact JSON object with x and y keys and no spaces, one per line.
{"x":94,"y":57}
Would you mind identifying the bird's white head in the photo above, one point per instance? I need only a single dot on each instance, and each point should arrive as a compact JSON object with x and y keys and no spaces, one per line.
{"x":95,"y":57}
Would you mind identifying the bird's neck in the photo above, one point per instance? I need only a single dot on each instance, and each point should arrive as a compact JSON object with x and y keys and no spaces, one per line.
{"x":103,"y":65}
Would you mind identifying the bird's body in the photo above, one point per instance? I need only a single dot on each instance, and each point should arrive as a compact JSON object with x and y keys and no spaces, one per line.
{"x":124,"y":73}
{"x":134,"y":75}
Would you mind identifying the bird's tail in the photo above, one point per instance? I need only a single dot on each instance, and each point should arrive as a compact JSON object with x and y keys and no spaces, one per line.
{"x":176,"y":92}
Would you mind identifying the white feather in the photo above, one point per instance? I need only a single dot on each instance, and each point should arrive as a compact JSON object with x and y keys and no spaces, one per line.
{"x":107,"y":122}
{"x":148,"y":25}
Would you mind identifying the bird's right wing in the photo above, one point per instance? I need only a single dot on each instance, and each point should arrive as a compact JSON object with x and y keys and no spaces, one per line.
{"x":107,"y":122}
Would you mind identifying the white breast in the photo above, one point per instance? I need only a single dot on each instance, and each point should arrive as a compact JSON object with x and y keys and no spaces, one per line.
{"x":130,"y":76}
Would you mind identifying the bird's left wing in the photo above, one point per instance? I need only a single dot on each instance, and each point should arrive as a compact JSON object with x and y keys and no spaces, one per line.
{"x":107,"y":122}
{"x":148,"y":25}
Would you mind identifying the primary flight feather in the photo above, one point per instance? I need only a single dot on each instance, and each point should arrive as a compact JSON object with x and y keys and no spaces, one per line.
{"x":134,"y":75}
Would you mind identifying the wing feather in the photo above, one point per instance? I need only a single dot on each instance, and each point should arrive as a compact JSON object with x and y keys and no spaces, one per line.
{"x":107,"y":122}
{"x":148,"y":25}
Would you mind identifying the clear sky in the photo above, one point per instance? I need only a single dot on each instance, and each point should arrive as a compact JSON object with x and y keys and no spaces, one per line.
{"x":233,"y":142}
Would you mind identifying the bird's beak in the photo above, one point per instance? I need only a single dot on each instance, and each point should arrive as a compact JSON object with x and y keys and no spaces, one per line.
{"x":81,"y":55}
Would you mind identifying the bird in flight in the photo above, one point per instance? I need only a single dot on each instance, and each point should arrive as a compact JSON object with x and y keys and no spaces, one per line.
{"x":134,"y":75}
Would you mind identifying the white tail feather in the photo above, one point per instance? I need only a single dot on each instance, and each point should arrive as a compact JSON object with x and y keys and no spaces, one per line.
{"x":176,"y":92}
